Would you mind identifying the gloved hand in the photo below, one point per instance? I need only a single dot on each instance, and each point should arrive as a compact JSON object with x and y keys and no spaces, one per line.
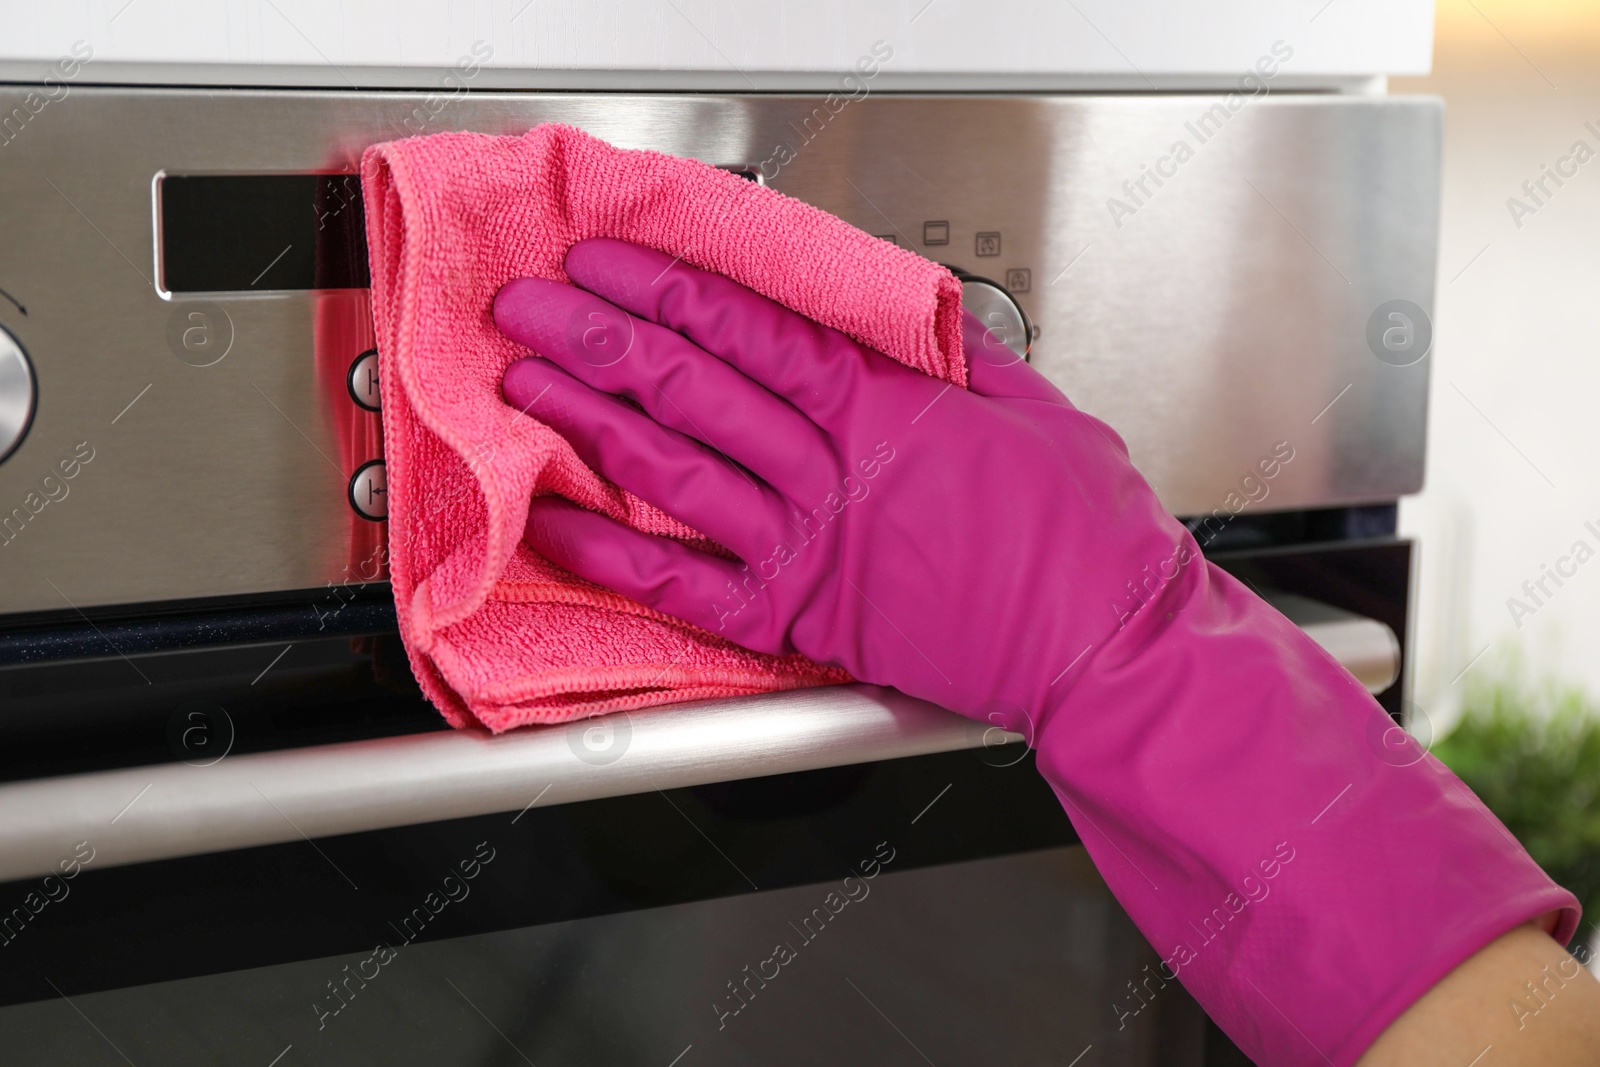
{"x":995,"y":551}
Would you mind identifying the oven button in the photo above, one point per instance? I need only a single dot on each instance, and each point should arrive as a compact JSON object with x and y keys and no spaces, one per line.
{"x":17,"y":394}
{"x":369,"y":491}
{"x":1007,"y":330}
{"x":362,"y":381}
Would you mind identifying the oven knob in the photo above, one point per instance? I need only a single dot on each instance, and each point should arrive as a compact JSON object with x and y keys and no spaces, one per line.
{"x":369,"y":491}
{"x":17,"y":394}
{"x":1007,"y":331}
{"x":362,"y":381}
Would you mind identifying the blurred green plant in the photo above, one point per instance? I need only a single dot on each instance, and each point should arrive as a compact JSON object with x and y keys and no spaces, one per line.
{"x":1531,"y":751}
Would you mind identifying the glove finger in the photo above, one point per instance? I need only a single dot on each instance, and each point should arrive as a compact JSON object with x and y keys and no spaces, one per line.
{"x":714,"y":594}
{"x":812,"y":367}
{"x":993,"y":370}
{"x":677,"y":384}
{"x":678,"y":475}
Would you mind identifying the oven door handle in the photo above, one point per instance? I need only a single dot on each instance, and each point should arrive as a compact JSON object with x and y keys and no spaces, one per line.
{"x":1365,"y":647}
{"x":140,"y":814}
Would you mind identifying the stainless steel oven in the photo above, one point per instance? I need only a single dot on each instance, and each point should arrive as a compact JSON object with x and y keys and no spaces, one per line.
{"x":231,"y":829}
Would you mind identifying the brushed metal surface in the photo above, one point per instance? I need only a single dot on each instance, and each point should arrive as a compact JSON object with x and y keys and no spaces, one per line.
{"x":150,"y":813}
{"x":1226,"y":313}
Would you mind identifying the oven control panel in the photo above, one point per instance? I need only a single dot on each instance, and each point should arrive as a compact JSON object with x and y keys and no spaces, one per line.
{"x":197,"y":348}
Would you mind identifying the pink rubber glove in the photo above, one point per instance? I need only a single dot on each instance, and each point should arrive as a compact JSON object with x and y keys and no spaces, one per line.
{"x":994,"y":551}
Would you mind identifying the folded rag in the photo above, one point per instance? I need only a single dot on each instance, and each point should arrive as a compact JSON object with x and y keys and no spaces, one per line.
{"x":497,"y":636}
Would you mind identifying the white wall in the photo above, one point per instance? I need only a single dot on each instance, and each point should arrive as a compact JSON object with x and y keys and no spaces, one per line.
{"x":1119,"y":36}
{"x":1511,"y":484}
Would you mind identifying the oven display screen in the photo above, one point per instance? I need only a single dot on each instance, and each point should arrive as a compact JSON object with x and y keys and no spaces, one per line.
{"x":261,"y":232}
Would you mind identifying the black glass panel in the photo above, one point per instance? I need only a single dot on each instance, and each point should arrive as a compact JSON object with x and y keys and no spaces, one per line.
{"x":620,"y":931}
{"x":1018,"y":959}
{"x":238,"y":232}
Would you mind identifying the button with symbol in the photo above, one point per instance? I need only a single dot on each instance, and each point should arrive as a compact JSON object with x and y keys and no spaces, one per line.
{"x":362,"y":381}
{"x":369,"y":491}
{"x":988,"y":244}
{"x":936,"y":232}
{"x":1019,"y":279}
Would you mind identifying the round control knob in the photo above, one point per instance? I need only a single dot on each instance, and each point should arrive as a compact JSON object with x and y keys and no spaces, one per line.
{"x":1007,"y":333}
{"x":362,"y":381}
{"x":369,"y":491}
{"x":18,"y":394}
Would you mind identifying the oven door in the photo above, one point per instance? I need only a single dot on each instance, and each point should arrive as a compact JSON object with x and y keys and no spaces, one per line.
{"x":929,"y":908}
{"x":277,"y":854}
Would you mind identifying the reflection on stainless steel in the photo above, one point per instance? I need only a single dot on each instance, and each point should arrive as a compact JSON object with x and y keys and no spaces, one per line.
{"x":1365,"y":647}
{"x":181,"y":809}
{"x":1222,"y":315}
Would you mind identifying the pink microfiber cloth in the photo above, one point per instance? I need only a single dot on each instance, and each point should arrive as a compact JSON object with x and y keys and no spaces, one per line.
{"x":497,"y":636}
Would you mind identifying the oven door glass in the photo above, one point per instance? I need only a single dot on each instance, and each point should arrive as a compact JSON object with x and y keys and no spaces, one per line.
{"x":926,"y":910}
